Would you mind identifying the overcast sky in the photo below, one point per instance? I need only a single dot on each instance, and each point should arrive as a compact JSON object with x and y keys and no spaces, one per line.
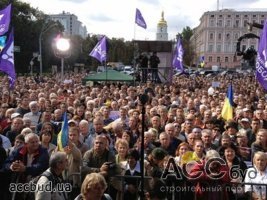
{"x":115,"y":18}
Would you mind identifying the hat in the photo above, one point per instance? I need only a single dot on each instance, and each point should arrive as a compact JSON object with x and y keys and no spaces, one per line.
{"x":14,"y":115}
{"x":73,"y":121}
{"x":244,"y":120}
{"x":158,"y":153}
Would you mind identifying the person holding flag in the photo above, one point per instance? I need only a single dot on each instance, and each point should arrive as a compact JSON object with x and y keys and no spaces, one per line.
{"x":227,"y":111}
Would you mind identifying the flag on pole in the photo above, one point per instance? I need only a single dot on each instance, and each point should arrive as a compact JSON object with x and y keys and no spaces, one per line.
{"x":5,"y":17}
{"x":261,"y":61}
{"x":227,"y":111}
{"x":139,"y":20}
{"x":178,"y":56}
{"x":100,"y":50}
{"x":63,"y":135}
{"x":7,"y":59}
{"x":202,"y":61}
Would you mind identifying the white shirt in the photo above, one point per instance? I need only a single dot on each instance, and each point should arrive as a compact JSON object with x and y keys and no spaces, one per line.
{"x":254,"y":176}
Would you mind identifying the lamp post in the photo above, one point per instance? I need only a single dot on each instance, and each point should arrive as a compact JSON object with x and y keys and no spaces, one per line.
{"x":62,"y":51}
{"x":43,"y":30}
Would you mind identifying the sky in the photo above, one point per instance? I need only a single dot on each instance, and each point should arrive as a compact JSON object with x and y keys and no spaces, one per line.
{"x":115,"y":18}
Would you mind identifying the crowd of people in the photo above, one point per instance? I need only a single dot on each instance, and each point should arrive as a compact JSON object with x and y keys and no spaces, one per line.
{"x":184,"y":135}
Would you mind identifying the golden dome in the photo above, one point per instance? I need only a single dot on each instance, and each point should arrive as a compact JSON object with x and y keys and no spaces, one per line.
{"x":162,"y":21}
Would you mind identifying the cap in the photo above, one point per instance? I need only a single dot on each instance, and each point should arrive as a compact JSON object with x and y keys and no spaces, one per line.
{"x":244,"y":120}
{"x":14,"y":115}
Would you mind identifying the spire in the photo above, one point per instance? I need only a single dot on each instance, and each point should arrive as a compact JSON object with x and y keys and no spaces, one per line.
{"x":162,"y":20}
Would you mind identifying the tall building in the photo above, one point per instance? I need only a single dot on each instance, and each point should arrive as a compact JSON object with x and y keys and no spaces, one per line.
{"x":217,"y":35}
{"x":162,"y":29}
{"x":71,"y":24}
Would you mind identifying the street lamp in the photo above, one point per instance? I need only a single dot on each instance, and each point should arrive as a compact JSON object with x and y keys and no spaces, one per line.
{"x":43,"y":30}
{"x":62,"y":51}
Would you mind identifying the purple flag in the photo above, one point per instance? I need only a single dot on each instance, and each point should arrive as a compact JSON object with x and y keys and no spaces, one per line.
{"x":178,"y":56}
{"x":100,"y":50}
{"x":7,"y":59}
{"x":139,"y":20}
{"x":261,"y":62}
{"x":5,"y":17}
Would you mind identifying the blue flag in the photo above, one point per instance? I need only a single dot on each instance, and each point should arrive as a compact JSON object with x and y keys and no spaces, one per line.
{"x":261,"y":62}
{"x":100,"y":50}
{"x":63,"y":135}
{"x":139,"y":20}
{"x":178,"y":56}
{"x":5,"y":17}
{"x":7,"y":59}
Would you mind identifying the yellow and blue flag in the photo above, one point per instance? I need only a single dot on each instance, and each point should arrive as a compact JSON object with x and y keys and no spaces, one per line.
{"x":63,"y":135}
{"x":227,"y":111}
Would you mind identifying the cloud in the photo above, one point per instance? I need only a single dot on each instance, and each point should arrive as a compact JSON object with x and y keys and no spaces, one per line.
{"x":236,"y":3}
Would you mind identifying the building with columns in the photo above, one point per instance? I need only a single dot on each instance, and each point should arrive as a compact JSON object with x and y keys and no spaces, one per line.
{"x":162,"y":29}
{"x":216,"y":36}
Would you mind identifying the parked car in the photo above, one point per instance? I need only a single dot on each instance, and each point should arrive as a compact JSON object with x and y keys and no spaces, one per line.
{"x":128,"y":70}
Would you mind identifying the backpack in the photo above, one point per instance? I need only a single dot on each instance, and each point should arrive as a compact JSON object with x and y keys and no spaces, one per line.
{"x":30,"y":195}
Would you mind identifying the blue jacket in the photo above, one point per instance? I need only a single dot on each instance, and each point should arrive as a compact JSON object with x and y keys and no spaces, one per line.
{"x":39,"y":164}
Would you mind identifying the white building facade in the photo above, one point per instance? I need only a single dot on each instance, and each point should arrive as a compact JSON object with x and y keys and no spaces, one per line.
{"x":217,"y":35}
{"x":71,"y":24}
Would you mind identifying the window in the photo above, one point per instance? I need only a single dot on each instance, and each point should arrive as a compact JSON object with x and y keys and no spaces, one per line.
{"x":219,"y":48}
{"x":220,"y":16}
{"x":219,"y":36}
{"x":245,"y":15}
{"x":237,"y":16}
{"x":254,"y":16}
{"x":211,"y":22}
{"x":229,"y":16}
{"x":210,"y":58}
{"x":212,"y":16}
{"x":226,"y":59}
{"x":236,"y":24}
{"x":219,"y":23}
{"x":262,"y":21}
{"x":227,"y":47}
{"x":211,"y":36}
{"x":210,"y":49}
{"x":227,"y":37}
{"x":244,"y":47}
{"x":262,"y":16}
{"x":236,"y":36}
{"x":228,"y":23}
{"x":245,"y":23}
{"x":218,"y":59}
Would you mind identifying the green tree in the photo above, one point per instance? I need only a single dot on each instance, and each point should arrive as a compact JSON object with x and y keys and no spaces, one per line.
{"x":187,"y":45}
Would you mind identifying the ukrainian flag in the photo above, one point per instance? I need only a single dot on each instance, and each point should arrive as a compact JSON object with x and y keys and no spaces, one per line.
{"x":227,"y":111}
{"x":63,"y":135}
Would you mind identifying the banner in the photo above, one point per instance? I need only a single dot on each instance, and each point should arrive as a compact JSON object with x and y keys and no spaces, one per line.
{"x":7,"y":59}
{"x":261,"y":61}
{"x":100,"y":50}
{"x":139,"y":20}
{"x":178,"y":56}
{"x":5,"y":17}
